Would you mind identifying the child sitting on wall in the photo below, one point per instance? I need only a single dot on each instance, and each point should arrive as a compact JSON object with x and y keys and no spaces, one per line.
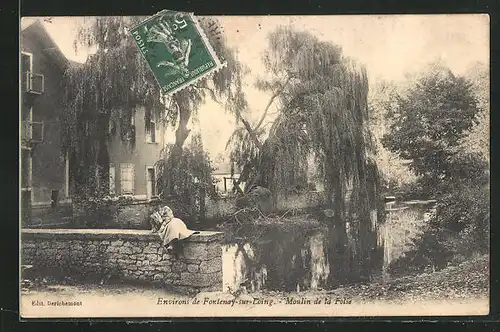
{"x":170,"y":229}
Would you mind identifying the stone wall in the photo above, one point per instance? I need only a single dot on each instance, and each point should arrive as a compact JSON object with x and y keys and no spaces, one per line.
{"x":226,"y":206}
{"x":125,"y":255}
{"x":134,"y":213}
{"x":221,"y":208}
{"x":300,"y":201}
{"x":121,"y":212}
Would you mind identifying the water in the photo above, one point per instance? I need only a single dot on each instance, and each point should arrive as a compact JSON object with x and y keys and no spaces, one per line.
{"x":405,"y":223}
{"x":294,"y":260}
{"x":298,"y":261}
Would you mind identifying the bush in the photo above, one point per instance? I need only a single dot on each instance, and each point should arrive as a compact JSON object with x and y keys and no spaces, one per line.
{"x":186,"y":178}
{"x":430,"y":253}
{"x":459,"y":230}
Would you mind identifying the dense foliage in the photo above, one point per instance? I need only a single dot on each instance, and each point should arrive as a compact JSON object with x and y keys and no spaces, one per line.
{"x":429,"y":122}
{"x":192,"y":179}
{"x":110,"y":86}
{"x":431,"y":125}
{"x":321,"y":99}
{"x":395,"y":173}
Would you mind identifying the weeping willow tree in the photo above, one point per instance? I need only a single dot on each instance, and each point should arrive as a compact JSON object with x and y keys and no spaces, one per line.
{"x":111,"y":83}
{"x":116,"y":80}
{"x":321,"y":98}
{"x":193,"y":179}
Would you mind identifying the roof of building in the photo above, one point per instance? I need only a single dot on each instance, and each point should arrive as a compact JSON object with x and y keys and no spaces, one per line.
{"x":37,"y":31}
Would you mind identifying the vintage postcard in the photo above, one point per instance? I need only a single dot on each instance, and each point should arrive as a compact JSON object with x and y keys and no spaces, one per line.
{"x":178,"y":166}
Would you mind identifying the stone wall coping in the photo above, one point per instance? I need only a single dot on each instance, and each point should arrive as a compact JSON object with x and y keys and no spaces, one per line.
{"x":110,"y":234}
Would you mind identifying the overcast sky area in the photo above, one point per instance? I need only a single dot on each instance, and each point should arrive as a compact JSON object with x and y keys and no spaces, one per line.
{"x":388,"y":46}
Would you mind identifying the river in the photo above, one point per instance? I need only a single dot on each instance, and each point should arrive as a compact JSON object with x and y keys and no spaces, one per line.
{"x":293,"y":260}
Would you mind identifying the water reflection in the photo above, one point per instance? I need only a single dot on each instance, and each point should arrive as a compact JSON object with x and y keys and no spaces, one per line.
{"x":405,"y":223}
{"x":296,"y":260}
{"x":291,"y":262}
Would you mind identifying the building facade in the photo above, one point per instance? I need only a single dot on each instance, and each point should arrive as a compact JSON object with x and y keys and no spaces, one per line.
{"x":44,"y":170}
{"x":132,"y":169}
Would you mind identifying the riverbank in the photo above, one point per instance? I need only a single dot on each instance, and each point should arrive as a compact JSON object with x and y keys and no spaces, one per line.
{"x":456,"y":290}
{"x":468,"y":280}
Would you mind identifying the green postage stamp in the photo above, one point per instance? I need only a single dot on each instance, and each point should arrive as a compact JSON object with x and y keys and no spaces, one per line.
{"x":176,"y":49}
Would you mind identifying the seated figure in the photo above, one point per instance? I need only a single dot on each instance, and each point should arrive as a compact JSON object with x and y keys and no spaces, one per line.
{"x":170,"y":229}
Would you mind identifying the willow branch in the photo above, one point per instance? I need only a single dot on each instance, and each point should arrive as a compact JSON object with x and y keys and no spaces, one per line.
{"x":212,"y":93}
{"x":273,"y":97}
{"x":251,"y":132}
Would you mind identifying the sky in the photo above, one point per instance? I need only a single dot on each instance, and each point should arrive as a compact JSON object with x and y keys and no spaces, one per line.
{"x":389,"y":46}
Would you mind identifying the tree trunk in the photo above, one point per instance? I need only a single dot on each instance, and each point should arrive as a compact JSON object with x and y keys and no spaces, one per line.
{"x":338,"y":253}
{"x":103,"y":156}
{"x":203,"y":212}
{"x":181,"y":134}
{"x":365,"y":232}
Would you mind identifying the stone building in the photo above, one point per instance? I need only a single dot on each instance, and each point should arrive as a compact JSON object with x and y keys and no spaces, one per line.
{"x":44,"y":170}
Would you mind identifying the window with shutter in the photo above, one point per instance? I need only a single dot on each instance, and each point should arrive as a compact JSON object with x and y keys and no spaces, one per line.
{"x":151,"y":182}
{"x":112,"y":184}
{"x":127,"y":178}
{"x":26,"y":64}
{"x":151,"y":132}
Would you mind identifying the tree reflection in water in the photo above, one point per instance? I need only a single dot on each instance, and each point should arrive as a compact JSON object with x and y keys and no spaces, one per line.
{"x":277,"y":258}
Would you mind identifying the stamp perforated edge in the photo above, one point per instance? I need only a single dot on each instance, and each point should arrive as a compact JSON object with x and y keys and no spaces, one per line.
{"x":218,"y":63}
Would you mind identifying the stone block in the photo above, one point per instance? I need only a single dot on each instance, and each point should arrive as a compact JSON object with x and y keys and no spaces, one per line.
{"x":192,"y":261}
{"x":212,"y":265}
{"x":137,"y":250}
{"x":157,"y":263}
{"x":194,"y":251}
{"x":200,"y":279}
{"x":151,"y":257}
{"x":158,"y":276}
{"x":214,"y":250}
{"x":113,"y":249}
{"x":172,"y":276}
{"x":165,"y":256}
{"x":125,"y":250}
{"x":162,"y":268}
{"x":122,"y":261}
{"x":193,"y":268}
{"x":179,"y":267}
{"x":150,"y":250}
